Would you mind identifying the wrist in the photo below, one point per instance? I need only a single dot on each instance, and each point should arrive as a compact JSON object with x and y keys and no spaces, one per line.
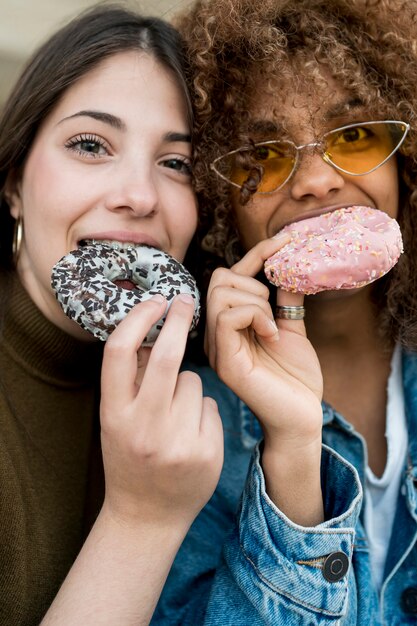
{"x":132,"y":530}
{"x":292,"y":449}
{"x":293,"y":480}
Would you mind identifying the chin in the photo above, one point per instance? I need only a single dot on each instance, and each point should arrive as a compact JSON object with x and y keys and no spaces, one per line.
{"x":335,"y":294}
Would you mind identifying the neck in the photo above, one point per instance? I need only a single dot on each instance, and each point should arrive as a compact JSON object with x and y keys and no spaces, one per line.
{"x":355,"y":363}
{"x":343,"y":323}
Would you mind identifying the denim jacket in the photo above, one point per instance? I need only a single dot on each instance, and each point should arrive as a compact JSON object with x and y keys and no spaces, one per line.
{"x":244,"y":563}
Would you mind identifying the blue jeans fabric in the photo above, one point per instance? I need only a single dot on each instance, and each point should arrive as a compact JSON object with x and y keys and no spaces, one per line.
{"x":244,"y":563}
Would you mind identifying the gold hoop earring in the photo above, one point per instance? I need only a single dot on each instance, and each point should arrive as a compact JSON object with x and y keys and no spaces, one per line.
{"x":17,"y":239}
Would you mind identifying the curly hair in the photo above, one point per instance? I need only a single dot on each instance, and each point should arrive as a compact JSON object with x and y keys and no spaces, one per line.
{"x":233,"y":45}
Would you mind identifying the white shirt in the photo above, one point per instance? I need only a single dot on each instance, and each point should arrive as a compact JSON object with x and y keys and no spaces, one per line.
{"x":382,"y":493}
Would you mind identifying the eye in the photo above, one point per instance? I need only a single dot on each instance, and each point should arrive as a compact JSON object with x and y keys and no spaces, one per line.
{"x":178,"y":164}
{"x":89,"y":146}
{"x":272,"y":151}
{"x":350,"y":135}
{"x":263,"y":153}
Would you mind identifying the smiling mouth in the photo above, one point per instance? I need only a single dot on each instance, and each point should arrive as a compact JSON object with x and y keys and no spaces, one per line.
{"x":111,"y":242}
{"x":115,"y":243}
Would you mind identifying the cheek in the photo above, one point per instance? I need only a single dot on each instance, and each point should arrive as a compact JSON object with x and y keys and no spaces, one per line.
{"x":383,"y":188}
{"x":392,"y":205}
{"x":251,"y":221}
{"x":54,"y":194}
{"x":42,"y":186}
{"x":183,"y":222}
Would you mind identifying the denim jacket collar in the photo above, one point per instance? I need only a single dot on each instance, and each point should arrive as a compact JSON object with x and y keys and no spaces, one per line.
{"x":409,"y":362}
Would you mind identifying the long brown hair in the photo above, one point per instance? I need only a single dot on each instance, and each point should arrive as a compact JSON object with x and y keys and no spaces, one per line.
{"x":69,"y":54}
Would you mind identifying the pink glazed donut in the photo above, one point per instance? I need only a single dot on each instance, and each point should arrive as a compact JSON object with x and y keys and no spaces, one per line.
{"x":342,"y":249}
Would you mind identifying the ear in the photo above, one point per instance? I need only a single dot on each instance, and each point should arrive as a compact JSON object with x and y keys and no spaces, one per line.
{"x":12,"y":193}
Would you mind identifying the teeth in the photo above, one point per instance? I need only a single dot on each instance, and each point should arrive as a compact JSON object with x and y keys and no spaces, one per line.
{"x":116,"y":245}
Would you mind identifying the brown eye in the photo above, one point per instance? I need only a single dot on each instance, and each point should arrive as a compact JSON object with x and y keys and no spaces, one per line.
{"x":262,"y":153}
{"x":272,"y":151}
{"x":350,"y":135}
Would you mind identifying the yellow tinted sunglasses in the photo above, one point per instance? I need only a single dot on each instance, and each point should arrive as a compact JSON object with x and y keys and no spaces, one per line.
{"x":356,"y":149}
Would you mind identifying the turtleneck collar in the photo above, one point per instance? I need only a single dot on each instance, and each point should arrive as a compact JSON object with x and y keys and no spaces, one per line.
{"x":40,"y":346}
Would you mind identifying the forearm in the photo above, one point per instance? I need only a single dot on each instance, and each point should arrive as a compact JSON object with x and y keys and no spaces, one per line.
{"x":118,"y":575}
{"x":292,"y":480}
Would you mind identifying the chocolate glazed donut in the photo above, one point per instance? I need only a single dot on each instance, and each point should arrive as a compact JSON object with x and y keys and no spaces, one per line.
{"x":84,"y":284}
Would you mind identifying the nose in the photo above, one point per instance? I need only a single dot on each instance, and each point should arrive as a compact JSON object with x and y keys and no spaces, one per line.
{"x":315,"y":178}
{"x":133,"y":190}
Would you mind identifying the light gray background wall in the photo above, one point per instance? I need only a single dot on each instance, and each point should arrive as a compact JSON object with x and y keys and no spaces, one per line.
{"x":24,"y":24}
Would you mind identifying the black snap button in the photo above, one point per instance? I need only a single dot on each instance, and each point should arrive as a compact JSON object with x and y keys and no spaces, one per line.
{"x":409,"y":600}
{"x":335,"y":566}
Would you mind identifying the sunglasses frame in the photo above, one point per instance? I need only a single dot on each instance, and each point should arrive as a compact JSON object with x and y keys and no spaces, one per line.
{"x":314,"y":144}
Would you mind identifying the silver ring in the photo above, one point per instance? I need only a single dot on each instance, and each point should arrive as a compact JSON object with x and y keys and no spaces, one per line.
{"x":290,"y":312}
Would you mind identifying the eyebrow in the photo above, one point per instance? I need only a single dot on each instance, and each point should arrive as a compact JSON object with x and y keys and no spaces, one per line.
{"x":173,"y":137}
{"x":269,"y":127}
{"x":107,"y":118}
{"x":266,"y":127}
{"x":116,"y":122}
{"x":343,"y":108}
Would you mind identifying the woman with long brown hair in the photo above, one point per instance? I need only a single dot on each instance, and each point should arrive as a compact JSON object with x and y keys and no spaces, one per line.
{"x":95,"y":144}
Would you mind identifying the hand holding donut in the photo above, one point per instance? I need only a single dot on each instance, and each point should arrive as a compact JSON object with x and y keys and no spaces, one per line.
{"x":274,"y":370}
{"x":341,"y":249}
{"x":162,"y":440}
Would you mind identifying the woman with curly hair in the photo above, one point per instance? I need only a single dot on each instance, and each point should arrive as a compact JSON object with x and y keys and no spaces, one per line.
{"x":314,"y":520}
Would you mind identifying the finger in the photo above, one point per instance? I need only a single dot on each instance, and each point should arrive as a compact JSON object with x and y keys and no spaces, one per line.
{"x":287,"y":298}
{"x":144,"y":354}
{"x":201,"y":414}
{"x":254,"y":260}
{"x":161,"y":375}
{"x":229,"y":337}
{"x":119,"y":369}
{"x":211,"y":434}
{"x":211,"y":423}
{"x":224,"y":297}
{"x":223,"y":277}
{"x":218,"y":298}
{"x":187,"y":401}
{"x":201,"y":425}
{"x":246,"y":317}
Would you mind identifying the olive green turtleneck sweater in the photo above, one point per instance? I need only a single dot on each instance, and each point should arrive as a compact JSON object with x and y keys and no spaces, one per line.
{"x":50,"y":479}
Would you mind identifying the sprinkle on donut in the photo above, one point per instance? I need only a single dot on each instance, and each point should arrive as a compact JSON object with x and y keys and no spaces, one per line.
{"x":341,"y":249}
{"x":83,"y":282}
